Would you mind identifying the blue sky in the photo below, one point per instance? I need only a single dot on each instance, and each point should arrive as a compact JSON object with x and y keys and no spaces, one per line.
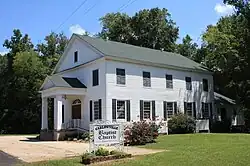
{"x":38,"y":18}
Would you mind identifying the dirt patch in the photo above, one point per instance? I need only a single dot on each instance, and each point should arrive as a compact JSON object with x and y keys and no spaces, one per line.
{"x":28,"y":149}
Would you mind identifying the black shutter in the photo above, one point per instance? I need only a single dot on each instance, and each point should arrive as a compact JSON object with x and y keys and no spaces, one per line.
{"x":100,"y":109}
{"x":114,"y":109}
{"x":211,"y":110}
{"x":153,"y":110}
{"x":185,"y":108}
{"x":90,"y":111}
{"x":128,"y":110}
{"x":175,"y":108}
{"x":141,"y":110}
{"x":165,"y":110}
{"x":194,"y":110}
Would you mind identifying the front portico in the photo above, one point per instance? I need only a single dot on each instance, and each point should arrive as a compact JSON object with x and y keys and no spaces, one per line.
{"x":68,"y":106}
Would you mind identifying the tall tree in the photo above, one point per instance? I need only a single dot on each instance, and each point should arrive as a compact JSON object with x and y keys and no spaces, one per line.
{"x":16,"y":44}
{"x":52,"y":49}
{"x":152,"y":28}
{"x":188,"y":48}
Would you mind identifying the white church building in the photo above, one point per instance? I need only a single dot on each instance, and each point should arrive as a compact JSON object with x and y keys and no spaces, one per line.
{"x":98,"y":79}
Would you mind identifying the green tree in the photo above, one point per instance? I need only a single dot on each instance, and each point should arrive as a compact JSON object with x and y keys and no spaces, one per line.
{"x":152,"y":28}
{"x":188,"y":48}
{"x":52,"y":49}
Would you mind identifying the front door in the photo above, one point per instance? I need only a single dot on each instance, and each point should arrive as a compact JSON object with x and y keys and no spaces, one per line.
{"x":76,"y":109}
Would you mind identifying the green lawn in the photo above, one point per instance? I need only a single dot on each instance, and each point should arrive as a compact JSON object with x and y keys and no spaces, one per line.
{"x":194,"y":149}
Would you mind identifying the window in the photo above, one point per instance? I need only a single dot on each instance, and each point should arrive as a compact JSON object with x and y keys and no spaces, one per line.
{"x":146,"y":109}
{"x":205,"y":110}
{"x":120,"y":76}
{"x":121,"y":113}
{"x":205,"y":85}
{"x":188,"y":108}
{"x":76,"y":56}
{"x":95,"y":77}
{"x":188,"y":83}
{"x":96,"y":110}
{"x":169,"y":81}
{"x":146,"y":79}
{"x":170,"y":109}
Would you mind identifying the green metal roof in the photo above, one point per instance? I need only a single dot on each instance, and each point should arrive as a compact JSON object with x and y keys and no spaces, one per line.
{"x":59,"y":81}
{"x":122,"y":50}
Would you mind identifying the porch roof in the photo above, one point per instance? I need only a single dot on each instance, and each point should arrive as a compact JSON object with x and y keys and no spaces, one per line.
{"x":62,"y":82}
{"x":223,"y":99}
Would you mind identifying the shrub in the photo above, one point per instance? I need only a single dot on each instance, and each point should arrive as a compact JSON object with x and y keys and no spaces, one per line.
{"x":101,"y":152}
{"x":85,"y":136}
{"x":181,"y":124}
{"x":140,"y":133}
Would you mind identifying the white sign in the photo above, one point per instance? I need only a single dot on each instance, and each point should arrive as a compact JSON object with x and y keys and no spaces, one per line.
{"x":106,"y":134}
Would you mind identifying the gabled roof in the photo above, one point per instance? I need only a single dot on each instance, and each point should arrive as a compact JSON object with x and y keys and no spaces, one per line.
{"x":122,"y":50}
{"x":59,"y":81}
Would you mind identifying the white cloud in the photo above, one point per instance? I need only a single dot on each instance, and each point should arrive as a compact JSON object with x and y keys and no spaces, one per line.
{"x":77,"y":29}
{"x":3,"y":52}
{"x":223,"y":9}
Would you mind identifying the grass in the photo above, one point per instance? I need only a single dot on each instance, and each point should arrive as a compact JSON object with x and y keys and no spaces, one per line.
{"x":185,"y":150}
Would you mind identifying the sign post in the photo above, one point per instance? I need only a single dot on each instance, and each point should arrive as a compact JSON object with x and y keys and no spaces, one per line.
{"x":105,"y":133}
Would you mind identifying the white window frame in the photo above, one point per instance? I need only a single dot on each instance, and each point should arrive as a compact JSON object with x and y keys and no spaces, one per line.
{"x":167,"y":111}
{"x":169,"y":82}
{"x":189,"y":84}
{"x":150,"y":111}
{"x":203,"y":103}
{"x":76,"y":58}
{"x":94,"y":110}
{"x":125,"y":111}
{"x":146,"y":81}
{"x":120,"y":77}
{"x":192,"y":109}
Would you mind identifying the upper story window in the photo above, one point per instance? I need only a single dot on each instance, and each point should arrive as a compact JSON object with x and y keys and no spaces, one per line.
{"x":75,"y":56}
{"x":120,"y":76}
{"x":188,"y":83}
{"x":205,"y":85}
{"x":95,"y":76}
{"x":146,"y":79}
{"x":169,"y":81}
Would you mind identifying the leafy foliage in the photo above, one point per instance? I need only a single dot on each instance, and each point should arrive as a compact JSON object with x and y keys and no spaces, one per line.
{"x":181,"y":124}
{"x":152,"y":28}
{"x":141,"y":133}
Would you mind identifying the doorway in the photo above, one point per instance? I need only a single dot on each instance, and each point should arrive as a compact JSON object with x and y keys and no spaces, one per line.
{"x":76,"y":109}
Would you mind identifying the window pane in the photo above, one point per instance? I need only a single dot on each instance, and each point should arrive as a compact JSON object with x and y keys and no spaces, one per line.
{"x":205,"y":110}
{"x":170,"y":109}
{"x":205,"y":85}
{"x":169,"y":77}
{"x":146,"y":74}
{"x":146,"y":79}
{"x":75,"y":56}
{"x":120,"y":109}
{"x":120,"y":72}
{"x":120,"y":76}
{"x":95,"y":77}
{"x":188,"y":79}
{"x":96,"y":110}
{"x":146,"y":109}
{"x":189,"y":109}
{"x":169,"y":81}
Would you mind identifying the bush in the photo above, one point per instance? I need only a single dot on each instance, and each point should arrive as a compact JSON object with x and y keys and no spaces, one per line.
{"x":141,"y":133}
{"x":181,"y":124}
{"x":102,"y":152}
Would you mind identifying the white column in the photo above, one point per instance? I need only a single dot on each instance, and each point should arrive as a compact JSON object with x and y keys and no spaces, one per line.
{"x":67,"y":110}
{"x":58,"y":101}
{"x":44,"y":113}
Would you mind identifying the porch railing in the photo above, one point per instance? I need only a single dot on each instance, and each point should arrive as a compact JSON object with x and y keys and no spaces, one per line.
{"x":74,"y":124}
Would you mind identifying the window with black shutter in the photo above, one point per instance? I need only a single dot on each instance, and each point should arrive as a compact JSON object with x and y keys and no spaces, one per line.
{"x":169,"y":81}
{"x":205,"y":85}
{"x":170,"y":109}
{"x":75,"y":56}
{"x":146,"y":79}
{"x":95,"y":77}
{"x":188,"y":83}
{"x":188,"y":108}
{"x":96,"y":108}
{"x":205,"y":110}
{"x":120,"y":76}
